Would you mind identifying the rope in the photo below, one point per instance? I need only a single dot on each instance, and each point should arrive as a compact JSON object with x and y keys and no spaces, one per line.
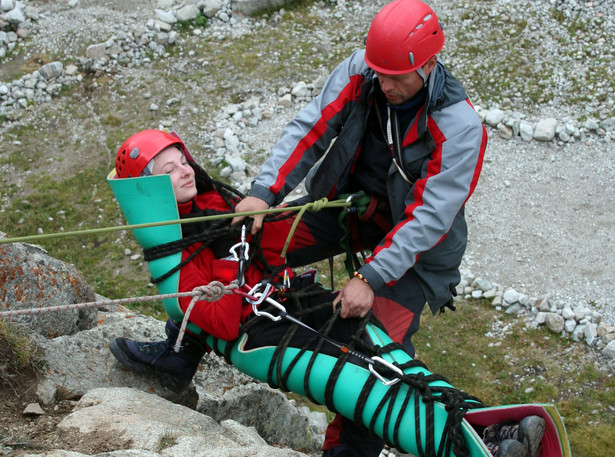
{"x":212,"y":292}
{"x":314,"y":206}
{"x":331,"y":204}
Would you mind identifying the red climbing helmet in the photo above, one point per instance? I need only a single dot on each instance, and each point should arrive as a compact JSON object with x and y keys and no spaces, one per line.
{"x":138,"y":150}
{"x":403,"y":36}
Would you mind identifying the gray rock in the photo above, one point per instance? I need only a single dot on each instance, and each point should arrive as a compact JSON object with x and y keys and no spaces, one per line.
{"x":569,"y":325}
{"x":545,"y":129}
{"x":526,"y":131}
{"x":15,"y":16}
{"x":82,"y":362}
{"x":590,"y":124}
{"x":300,"y":89}
{"x":187,"y":13}
{"x":52,"y":70}
{"x":106,"y":410}
{"x":505,"y":132}
{"x":494,"y":117}
{"x":609,"y":350}
{"x":33,"y":280}
{"x":268,"y":411}
{"x":510,"y":296}
{"x":554,"y":322}
{"x":210,"y":8}
{"x":249,"y":7}
{"x":7,"y":5}
{"x":96,"y":51}
{"x":165,"y":16}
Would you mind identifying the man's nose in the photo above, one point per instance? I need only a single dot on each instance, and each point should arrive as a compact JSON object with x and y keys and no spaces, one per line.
{"x":385,"y":83}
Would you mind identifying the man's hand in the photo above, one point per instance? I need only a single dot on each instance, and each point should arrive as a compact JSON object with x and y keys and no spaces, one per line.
{"x":251,"y":204}
{"x":357,"y":297}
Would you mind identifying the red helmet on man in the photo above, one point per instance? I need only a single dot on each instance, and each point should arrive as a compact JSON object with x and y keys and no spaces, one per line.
{"x":402,"y":37}
{"x":135,"y":154}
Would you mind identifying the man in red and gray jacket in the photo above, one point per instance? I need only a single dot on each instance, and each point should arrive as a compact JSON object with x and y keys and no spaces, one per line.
{"x":393,"y":122}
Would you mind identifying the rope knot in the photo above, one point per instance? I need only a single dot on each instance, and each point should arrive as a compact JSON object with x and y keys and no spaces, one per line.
{"x":318,"y":205}
{"x":214,"y":291}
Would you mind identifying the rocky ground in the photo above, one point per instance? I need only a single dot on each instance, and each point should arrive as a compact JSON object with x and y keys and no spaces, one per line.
{"x":541,"y":219}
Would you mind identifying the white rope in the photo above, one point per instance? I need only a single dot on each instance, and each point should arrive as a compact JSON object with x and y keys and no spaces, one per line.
{"x":204,"y":292}
{"x":213,"y":292}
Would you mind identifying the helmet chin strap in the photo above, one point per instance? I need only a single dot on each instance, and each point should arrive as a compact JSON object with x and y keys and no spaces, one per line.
{"x":422,"y":74}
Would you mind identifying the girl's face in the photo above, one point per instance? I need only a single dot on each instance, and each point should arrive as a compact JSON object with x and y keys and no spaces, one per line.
{"x":172,"y":162}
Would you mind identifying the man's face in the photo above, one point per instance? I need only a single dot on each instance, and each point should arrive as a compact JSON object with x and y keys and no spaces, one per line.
{"x":398,"y":89}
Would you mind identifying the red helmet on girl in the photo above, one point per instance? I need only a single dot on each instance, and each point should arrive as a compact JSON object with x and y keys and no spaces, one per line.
{"x":136,"y":152}
{"x":402,"y":37}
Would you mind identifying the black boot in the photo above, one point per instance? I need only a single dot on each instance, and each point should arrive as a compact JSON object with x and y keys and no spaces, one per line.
{"x":174,"y":370}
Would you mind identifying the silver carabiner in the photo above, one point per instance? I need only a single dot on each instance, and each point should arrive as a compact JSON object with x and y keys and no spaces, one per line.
{"x":265,"y":313}
{"x":260,"y":296}
{"x":244,"y":250}
{"x":353,"y":209}
{"x":389,"y":365}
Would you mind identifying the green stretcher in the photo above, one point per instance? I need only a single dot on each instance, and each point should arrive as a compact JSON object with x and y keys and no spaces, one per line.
{"x":397,"y":411}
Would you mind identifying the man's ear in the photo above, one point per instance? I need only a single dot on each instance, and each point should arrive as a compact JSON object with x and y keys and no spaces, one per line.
{"x":430,"y":64}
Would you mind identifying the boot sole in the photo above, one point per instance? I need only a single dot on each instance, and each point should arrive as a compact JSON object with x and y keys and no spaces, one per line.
{"x":530,"y":436}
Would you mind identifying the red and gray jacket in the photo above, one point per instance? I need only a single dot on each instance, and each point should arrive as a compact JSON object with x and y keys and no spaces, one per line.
{"x":441,"y":155}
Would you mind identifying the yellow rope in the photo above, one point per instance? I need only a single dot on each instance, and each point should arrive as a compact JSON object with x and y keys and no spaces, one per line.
{"x":312,"y":206}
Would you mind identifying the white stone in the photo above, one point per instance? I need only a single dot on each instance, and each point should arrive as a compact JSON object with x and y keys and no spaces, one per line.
{"x":187,"y":13}
{"x":15,"y":16}
{"x":285,"y":101}
{"x":609,"y":350}
{"x":7,"y":5}
{"x":567,"y":313}
{"x":165,"y":16}
{"x":511,"y":296}
{"x":494,"y":117}
{"x":570,"y":325}
{"x":300,"y":89}
{"x":554,"y":322}
{"x":545,"y":129}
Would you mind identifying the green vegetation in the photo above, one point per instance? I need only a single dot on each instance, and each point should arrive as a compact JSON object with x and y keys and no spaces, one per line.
{"x":18,"y":355}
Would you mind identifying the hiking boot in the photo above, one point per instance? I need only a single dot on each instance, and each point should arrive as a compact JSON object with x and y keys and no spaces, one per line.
{"x":173,"y":369}
{"x":495,"y":433}
{"x":510,"y":448}
{"x":531,"y":431}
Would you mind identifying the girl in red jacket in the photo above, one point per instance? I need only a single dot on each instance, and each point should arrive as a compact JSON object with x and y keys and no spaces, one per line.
{"x":154,"y":152}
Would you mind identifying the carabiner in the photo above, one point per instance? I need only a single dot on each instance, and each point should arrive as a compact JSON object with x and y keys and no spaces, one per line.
{"x":350,"y":198}
{"x":244,"y":249}
{"x":264,"y":297}
{"x":389,"y":365}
